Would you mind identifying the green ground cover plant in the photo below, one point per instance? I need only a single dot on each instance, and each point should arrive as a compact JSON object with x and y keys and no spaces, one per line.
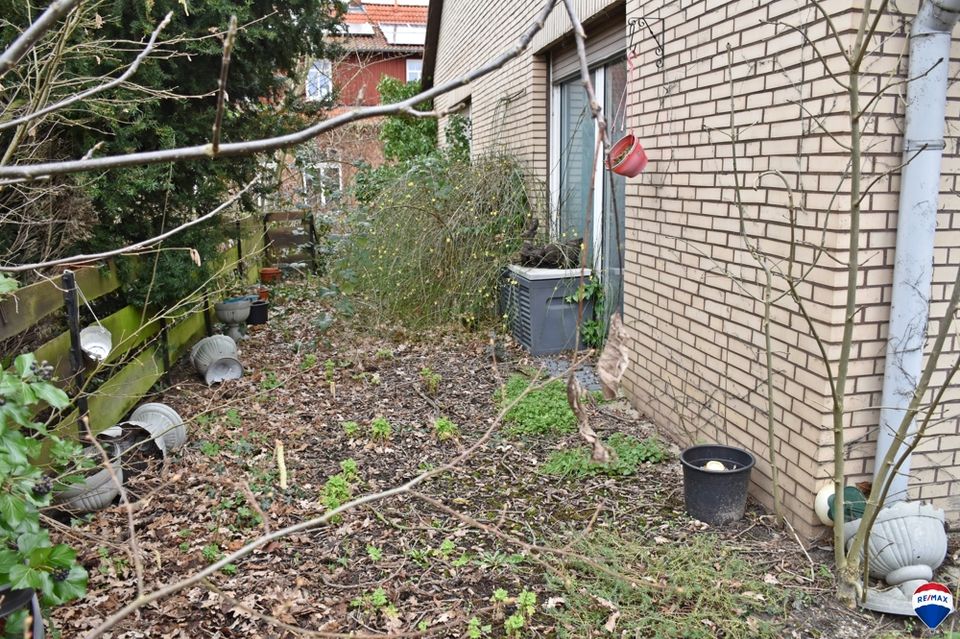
{"x":576,"y":463}
{"x":444,"y":429}
{"x":544,"y":410}
{"x":380,"y":429}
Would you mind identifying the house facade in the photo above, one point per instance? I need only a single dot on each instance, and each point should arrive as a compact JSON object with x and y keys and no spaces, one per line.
{"x":380,"y":38}
{"x":671,"y":246}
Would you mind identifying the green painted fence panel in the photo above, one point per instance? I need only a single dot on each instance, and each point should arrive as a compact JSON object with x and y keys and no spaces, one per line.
{"x":31,"y":304}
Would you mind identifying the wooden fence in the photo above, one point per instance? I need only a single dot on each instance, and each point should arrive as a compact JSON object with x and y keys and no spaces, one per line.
{"x":293,"y":238}
{"x":145,"y":341}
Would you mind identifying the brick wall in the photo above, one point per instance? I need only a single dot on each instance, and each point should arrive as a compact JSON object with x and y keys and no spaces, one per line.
{"x":509,"y":108}
{"x":692,"y":287}
{"x":698,"y":338}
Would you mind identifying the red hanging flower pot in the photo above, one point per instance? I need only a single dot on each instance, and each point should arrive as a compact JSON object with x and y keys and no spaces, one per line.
{"x":627,"y":156}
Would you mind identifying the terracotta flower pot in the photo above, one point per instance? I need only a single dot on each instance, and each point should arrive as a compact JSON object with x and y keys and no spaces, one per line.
{"x":627,"y":156}
{"x":269,"y":274}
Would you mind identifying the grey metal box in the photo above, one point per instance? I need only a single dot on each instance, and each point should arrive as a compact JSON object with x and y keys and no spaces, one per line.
{"x":539,"y":318}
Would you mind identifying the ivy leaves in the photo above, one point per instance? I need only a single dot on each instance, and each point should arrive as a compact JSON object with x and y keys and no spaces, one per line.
{"x":47,"y":568}
{"x":7,"y":284}
{"x":28,"y":559}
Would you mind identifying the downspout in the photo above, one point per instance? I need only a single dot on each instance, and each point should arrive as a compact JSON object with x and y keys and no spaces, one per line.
{"x":930,"y":39}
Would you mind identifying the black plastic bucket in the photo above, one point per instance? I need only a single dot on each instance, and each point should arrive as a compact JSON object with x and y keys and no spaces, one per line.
{"x":258,"y":312}
{"x":716,"y":497}
{"x":13,"y":600}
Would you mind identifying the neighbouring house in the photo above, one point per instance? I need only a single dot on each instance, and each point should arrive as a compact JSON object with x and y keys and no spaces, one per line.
{"x":380,"y":38}
{"x":668,"y":242}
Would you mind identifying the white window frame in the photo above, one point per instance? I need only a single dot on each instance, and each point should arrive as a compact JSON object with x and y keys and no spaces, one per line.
{"x":415,"y":74}
{"x":319,"y":69}
{"x":318,"y":169}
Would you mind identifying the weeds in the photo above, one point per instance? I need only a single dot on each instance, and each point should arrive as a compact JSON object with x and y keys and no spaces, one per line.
{"x":232,"y":417}
{"x":211,"y":552}
{"x":351,"y":429}
{"x":476,"y":630}
{"x":526,"y":605}
{"x":309,"y":361}
{"x":630,"y":453}
{"x":444,"y":429}
{"x":270,"y":381}
{"x":348,"y":468}
{"x":339,"y":488}
{"x":210,"y":449}
{"x":380,"y":430}
{"x":375,"y":602}
{"x":542,"y":411}
{"x":431,"y":381}
{"x":696,"y":589}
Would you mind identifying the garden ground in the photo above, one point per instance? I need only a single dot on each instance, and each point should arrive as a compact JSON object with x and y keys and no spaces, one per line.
{"x":547,"y":544}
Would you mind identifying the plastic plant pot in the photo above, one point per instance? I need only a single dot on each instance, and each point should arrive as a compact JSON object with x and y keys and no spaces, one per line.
{"x":137,"y":446}
{"x":258,"y":312}
{"x":163,"y":423}
{"x":716,"y":497}
{"x":627,"y":157}
{"x":95,"y":492}
{"x":269,"y":274}
{"x":96,"y":342}
{"x":13,"y":600}
{"x":215,"y":358}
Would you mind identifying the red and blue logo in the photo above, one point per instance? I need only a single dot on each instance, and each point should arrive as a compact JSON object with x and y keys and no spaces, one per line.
{"x":933,"y":603}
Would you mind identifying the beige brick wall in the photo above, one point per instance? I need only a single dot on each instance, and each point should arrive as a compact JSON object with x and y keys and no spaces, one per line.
{"x":509,"y":108}
{"x":697,"y":338}
{"x":693,"y":327}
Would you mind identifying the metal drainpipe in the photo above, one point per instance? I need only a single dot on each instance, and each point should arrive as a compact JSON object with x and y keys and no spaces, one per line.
{"x":930,"y":39}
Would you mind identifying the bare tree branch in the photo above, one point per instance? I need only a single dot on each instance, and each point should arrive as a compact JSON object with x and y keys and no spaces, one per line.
{"x":77,"y":97}
{"x":263,"y":145}
{"x":222,"y":82}
{"x":19,"y":47}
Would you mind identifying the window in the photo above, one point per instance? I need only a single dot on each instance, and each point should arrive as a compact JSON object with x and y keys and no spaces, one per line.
{"x":414,"y":69}
{"x":404,"y":33}
{"x":320,"y":80}
{"x":322,"y":183}
{"x":584,"y":203}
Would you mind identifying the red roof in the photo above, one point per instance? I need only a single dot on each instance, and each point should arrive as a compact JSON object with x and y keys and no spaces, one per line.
{"x":396,"y":14}
{"x":387,"y":14}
